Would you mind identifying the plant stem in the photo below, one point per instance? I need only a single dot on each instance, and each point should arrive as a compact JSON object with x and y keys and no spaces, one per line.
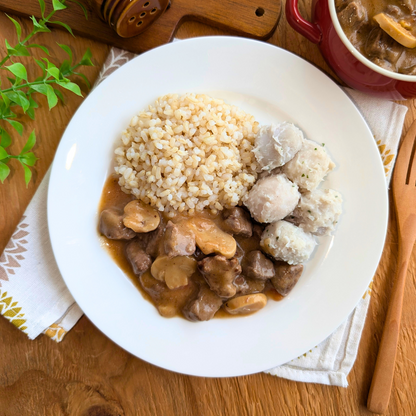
{"x":29,"y":36}
{"x":30,"y":84}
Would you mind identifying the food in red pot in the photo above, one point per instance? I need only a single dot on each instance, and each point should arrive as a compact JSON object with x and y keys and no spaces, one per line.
{"x":368,"y":43}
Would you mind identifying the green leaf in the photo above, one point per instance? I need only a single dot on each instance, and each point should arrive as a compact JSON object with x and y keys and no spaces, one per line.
{"x":18,"y":27}
{"x":16,"y":125}
{"x":67,"y":49}
{"x":41,"y":88}
{"x":3,"y":153}
{"x":41,"y":64}
{"x":28,"y":174}
{"x":33,"y":103}
{"x":82,"y":7}
{"x":19,"y":98}
{"x":4,"y":171}
{"x":31,"y":113}
{"x":84,"y":78}
{"x":30,"y":143}
{"x":5,"y":139}
{"x":42,"y":7}
{"x":54,"y":72}
{"x":21,"y":50}
{"x":65,"y":68}
{"x":71,"y":86}
{"x":28,"y":159}
{"x":59,"y":94}
{"x":15,"y":81}
{"x":5,"y":99}
{"x":56,"y":22}
{"x":18,"y":70}
{"x":51,"y":96}
{"x":10,"y":50}
{"x":35,"y":45}
{"x":86,"y":59}
{"x":39,"y":26}
{"x":57,"y":5}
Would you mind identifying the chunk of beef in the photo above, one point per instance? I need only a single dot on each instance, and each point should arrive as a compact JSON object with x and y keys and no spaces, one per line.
{"x":353,"y":16}
{"x":381,"y":47}
{"x":286,"y":277}
{"x":220,"y":274}
{"x":247,"y":286}
{"x":204,"y":306}
{"x":257,"y":266}
{"x":409,"y":4}
{"x":341,"y":4}
{"x":258,"y":231}
{"x":153,"y":245}
{"x":138,"y":258}
{"x":237,"y":221}
{"x":179,"y":241}
{"x":394,"y":11}
{"x":168,"y":302}
{"x":383,"y":63}
{"x":111,"y":225}
{"x":411,"y":70}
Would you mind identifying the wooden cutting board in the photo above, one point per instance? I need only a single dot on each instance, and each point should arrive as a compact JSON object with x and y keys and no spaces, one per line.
{"x":251,"y":18}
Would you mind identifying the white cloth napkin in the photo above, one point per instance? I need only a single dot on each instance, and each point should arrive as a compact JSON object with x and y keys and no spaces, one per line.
{"x":35,"y":299}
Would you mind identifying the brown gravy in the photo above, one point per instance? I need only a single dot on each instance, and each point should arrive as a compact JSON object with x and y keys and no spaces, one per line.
{"x":172,"y":303}
{"x":357,"y":21}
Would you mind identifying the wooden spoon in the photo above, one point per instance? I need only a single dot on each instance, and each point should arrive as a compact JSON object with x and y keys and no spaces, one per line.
{"x":404,"y":193}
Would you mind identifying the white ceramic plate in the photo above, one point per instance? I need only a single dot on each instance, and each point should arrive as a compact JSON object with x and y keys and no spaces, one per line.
{"x":273,"y":85}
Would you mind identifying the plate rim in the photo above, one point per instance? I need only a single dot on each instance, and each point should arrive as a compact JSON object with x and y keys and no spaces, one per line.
{"x":103,"y":84}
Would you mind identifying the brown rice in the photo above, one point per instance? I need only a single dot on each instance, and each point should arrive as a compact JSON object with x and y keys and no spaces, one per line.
{"x":187,"y":153}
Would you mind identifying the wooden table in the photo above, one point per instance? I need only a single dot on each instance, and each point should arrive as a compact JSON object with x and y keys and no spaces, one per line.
{"x":88,"y":375}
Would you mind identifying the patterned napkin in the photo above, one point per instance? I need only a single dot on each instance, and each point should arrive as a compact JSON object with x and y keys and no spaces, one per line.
{"x":34,"y":298}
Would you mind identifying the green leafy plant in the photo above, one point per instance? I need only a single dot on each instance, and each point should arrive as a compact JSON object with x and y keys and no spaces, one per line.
{"x":21,"y":91}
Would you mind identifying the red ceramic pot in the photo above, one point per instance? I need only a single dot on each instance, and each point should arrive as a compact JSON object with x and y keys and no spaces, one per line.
{"x":353,"y":68}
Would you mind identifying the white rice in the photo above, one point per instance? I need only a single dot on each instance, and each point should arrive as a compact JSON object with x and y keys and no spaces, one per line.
{"x":187,"y":153}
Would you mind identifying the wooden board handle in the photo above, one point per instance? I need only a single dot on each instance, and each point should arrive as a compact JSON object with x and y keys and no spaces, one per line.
{"x":252,"y":18}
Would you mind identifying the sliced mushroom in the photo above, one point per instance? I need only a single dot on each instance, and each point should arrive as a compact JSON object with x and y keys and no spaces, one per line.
{"x":174,"y":271}
{"x":211,"y":239}
{"x":140,"y":217}
{"x":399,"y":33}
{"x":220,"y":274}
{"x":111,"y":225}
{"x":286,"y":276}
{"x":246,"y":304}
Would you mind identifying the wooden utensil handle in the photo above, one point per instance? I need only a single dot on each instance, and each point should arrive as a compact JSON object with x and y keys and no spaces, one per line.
{"x":379,"y":396}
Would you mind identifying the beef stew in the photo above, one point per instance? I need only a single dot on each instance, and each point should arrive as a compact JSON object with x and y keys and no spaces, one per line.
{"x":384,"y":31}
{"x":173,"y":273}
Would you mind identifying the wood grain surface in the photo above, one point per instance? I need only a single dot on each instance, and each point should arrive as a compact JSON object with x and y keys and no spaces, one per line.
{"x":87,"y":375}
{"x":238,"y":16}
